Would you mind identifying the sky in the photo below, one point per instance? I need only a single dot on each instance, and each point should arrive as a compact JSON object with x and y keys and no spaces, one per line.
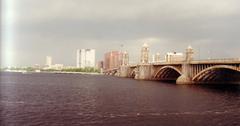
{"x":34,"y":29}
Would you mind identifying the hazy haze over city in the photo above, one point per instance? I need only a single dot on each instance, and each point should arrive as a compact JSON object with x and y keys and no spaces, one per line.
{"x":33,"y":29}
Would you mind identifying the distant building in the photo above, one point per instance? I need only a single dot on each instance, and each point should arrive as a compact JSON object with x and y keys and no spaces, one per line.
{"x":115,"y":59}
{"x":144,"y":54}
{"x":174,"y":57}
{"x":153,"y":58}
{"x":57,"y":66}
{"x":48,"y":61}
{"x":85,"y":58}
{"x":100,"y":65}
{"x":78,"y":58}
{"x":156,"y":58}
{"x":37,"y":66}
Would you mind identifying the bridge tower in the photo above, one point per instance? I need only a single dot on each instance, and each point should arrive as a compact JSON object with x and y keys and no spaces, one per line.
{"x":189,"y":54}
{"x":124,"y":68}
{"x":125,"y":58}
{"x":145,"y":53}
{"x":185,"y":78}
{"x":143,"y":71}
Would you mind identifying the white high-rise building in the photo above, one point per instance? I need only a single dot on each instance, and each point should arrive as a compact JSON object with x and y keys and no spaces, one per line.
{"x":85,"y":58}
{"x":78,"y":58}
{"x":48,"y":61}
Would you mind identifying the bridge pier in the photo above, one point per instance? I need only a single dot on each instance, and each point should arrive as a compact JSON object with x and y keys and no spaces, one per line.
{"x":124,"y":70}
{"x":144,"y":72}
{"x":185,"y":78}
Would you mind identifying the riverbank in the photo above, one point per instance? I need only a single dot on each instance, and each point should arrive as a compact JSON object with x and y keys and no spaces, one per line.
{"x":54,"y":72}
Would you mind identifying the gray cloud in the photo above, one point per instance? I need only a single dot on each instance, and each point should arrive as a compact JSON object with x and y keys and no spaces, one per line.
{"x":59,"y":27}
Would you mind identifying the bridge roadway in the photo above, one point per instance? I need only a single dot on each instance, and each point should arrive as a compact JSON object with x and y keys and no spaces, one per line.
{"x":215,"y":71}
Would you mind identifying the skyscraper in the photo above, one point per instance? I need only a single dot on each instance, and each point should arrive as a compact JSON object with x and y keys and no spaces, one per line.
{"x":48,"y":61}
{"x":78,"y":58}
{"x":85,"y":58}
{"x":144,"y":53}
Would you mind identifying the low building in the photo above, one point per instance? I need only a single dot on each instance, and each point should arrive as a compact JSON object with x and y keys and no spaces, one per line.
{"x":48,"y":61}
{"x":57,"y":66}
{"x":174,"y":57}
{"x":156,"y":58}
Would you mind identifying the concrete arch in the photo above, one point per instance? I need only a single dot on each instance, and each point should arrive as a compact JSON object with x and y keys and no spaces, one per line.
{"x":167,"y":72}
{"x":229,"y":73}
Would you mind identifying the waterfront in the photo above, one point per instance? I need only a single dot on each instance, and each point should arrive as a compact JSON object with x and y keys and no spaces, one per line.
{"x":75,"y":99}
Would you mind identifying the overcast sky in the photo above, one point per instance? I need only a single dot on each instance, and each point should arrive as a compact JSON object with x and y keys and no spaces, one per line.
{"x":33,"y":29}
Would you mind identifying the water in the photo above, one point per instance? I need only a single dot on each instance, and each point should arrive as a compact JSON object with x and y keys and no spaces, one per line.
{"x":73,"y":99}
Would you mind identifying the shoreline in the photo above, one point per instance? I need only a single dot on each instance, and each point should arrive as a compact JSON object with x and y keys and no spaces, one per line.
{"x":53,"y":72}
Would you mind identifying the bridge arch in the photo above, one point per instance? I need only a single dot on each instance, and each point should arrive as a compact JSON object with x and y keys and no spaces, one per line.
{"x":114,"y":72}
{"x":218,"y":74}
{"x":133,"y":73}
{"x":167,"y":73}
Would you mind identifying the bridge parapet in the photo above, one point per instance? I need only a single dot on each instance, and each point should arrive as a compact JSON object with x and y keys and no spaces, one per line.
{"x":217,"y":61}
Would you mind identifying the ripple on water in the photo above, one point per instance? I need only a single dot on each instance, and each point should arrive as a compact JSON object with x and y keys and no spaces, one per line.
{"x":69,"y":99}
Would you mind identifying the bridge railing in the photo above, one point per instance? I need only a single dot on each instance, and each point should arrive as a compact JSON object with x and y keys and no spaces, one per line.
{"x":224,"y":60}
{"x":169,"y":62}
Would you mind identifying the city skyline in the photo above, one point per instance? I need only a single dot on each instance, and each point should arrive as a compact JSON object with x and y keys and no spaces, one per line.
{"x":58,"y":28}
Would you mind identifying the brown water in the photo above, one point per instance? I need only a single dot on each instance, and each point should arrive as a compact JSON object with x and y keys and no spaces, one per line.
{"x":42,"y":99}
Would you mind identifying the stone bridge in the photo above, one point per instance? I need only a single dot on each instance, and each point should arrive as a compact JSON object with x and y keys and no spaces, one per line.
{"x":192,"y":72}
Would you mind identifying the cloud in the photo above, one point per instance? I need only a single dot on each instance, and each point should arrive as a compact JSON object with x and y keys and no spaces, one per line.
{"x":124,"y":9}
{"x":50,"y":27}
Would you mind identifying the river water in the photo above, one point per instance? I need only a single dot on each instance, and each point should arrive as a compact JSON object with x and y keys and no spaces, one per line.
{"x":46,"y":99}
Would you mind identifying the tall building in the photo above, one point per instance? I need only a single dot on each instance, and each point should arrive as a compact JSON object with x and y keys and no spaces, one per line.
{"x":78,"y":58}
{"x":48,"y":61}
{"x":144,"y":53}
{"x":174,"y":57}
{"x":115,"y":59}
{"x":85,"y":58}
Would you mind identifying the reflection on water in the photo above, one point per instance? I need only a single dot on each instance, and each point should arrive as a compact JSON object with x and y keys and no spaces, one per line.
{"x":222,"y":88}
{"x":74,"y":99}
